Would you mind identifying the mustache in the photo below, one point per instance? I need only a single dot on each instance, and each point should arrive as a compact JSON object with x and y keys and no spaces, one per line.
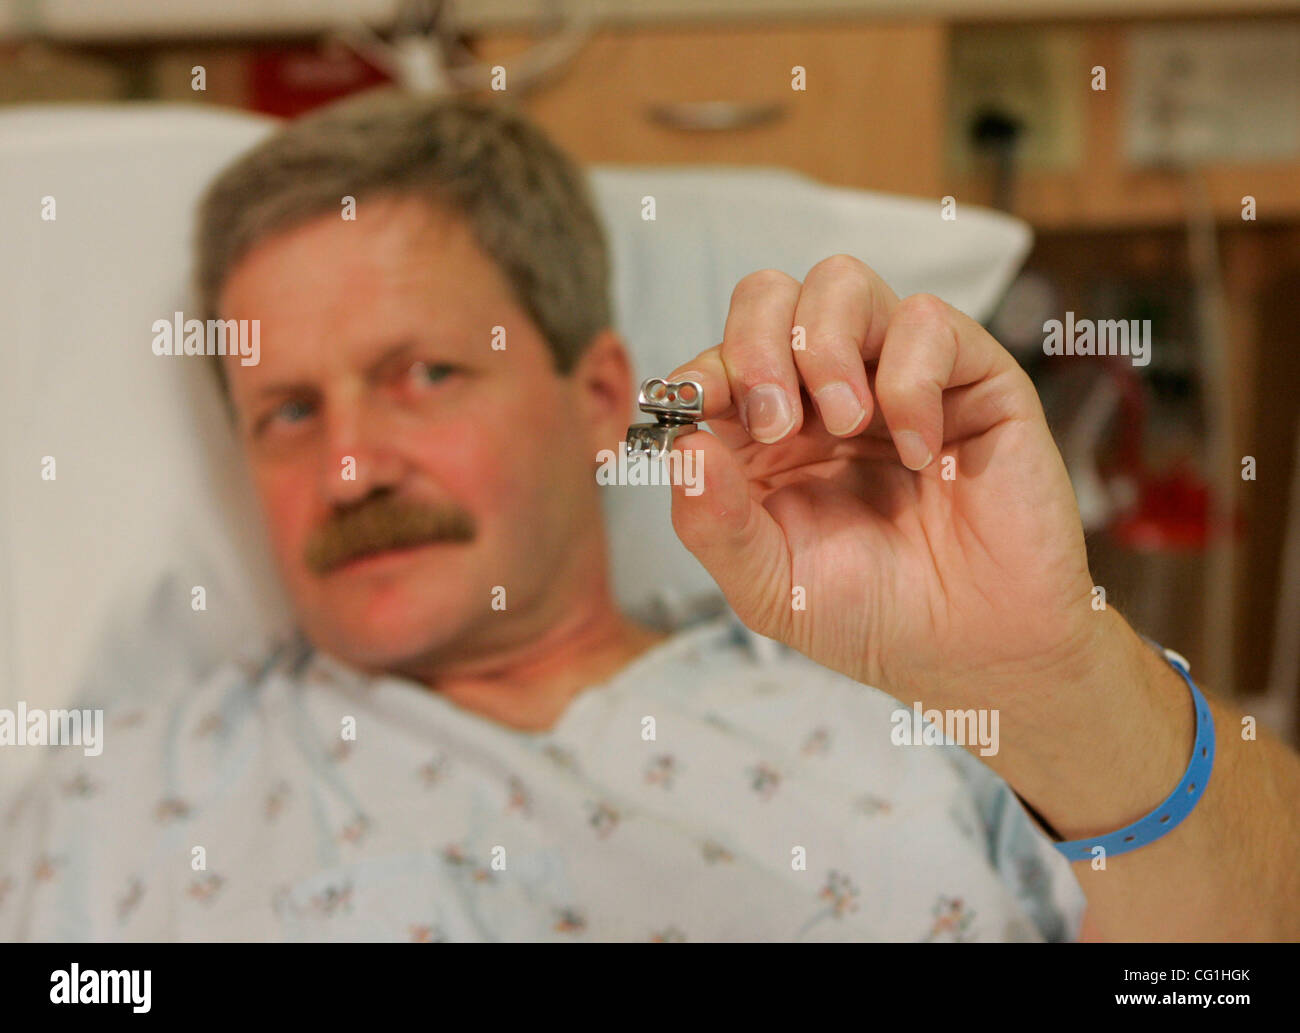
{"x":382,"y":523}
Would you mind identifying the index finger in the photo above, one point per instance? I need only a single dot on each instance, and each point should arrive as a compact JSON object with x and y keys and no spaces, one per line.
{"x":856,"y":312}
{"x":720,"y":411}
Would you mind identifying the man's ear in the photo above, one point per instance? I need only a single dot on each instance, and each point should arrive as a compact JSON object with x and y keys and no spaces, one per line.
{"x":602,"y":382}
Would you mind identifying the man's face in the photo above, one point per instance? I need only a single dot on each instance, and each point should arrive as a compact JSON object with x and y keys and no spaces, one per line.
{"x":410,"y":473}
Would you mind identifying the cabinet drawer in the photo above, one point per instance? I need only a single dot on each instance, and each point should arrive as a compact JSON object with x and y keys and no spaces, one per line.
{"x":871,"y":115}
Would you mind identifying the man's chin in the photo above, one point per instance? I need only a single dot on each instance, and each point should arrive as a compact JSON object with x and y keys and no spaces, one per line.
{"x":392,"y":646}
{"x":385,"y":622}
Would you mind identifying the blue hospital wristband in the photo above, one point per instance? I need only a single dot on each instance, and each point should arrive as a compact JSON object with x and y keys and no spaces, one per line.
{"x":1179,"y":804}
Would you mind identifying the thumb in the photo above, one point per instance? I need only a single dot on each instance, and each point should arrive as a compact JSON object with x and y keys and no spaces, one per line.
{"x":734,"y":537}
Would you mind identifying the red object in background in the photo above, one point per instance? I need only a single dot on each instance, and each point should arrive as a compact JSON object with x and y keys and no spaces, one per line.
{"x":1172,"y":510}
{"x":1172,"y":513}
{"x":288,"y":81}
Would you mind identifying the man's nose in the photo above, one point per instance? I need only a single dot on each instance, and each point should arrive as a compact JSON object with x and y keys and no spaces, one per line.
{"x":359,"y":455}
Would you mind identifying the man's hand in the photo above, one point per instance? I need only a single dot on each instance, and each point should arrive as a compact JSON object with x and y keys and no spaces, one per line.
{"x":895,"y":477}
{"x":918,"y":502}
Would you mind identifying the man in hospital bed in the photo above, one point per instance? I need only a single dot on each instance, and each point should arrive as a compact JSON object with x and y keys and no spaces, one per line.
{"x":470,"y":741}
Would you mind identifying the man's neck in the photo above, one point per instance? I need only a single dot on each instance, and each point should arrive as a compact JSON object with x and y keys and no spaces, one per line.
{"x":529,"y":687}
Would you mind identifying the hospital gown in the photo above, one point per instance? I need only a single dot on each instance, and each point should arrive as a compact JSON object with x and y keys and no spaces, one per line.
{"x":716,"y":788}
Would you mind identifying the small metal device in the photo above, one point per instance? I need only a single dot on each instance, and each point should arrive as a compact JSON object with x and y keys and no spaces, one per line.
{"x":676,"y":407}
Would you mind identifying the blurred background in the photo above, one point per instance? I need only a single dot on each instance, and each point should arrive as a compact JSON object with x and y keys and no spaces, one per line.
{"x":1153,"y":146}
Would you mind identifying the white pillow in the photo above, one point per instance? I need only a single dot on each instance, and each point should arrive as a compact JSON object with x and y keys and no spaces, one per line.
{"x":149,"y":499}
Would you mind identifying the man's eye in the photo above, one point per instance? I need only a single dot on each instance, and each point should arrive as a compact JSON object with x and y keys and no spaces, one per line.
{"x":293,"y":411}
{"x":423,"y":374}
{"x":290,"y":412}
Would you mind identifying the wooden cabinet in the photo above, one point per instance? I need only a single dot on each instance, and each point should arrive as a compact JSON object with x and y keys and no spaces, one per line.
{"x":871,"y":115}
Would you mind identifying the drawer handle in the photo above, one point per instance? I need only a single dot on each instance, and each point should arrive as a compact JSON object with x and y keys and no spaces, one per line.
{"x":715,"y":115}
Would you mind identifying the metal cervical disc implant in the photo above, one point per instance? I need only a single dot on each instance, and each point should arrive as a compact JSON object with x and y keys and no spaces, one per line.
{"x":676,"y":406}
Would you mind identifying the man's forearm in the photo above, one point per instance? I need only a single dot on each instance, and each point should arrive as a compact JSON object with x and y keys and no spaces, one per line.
{"x":1110,"y":749}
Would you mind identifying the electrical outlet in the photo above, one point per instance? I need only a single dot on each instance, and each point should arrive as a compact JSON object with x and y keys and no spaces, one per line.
{"x":1033,"y":78}
{"x":1227,"y":92}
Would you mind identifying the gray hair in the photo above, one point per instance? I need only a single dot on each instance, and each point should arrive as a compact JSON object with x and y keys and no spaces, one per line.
{"x":527,"y":204}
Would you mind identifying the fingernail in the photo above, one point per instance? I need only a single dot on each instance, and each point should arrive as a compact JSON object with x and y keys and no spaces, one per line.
{"x":912,"y":449}
{"x":768,"y":416}
{"x":841,"y":411}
